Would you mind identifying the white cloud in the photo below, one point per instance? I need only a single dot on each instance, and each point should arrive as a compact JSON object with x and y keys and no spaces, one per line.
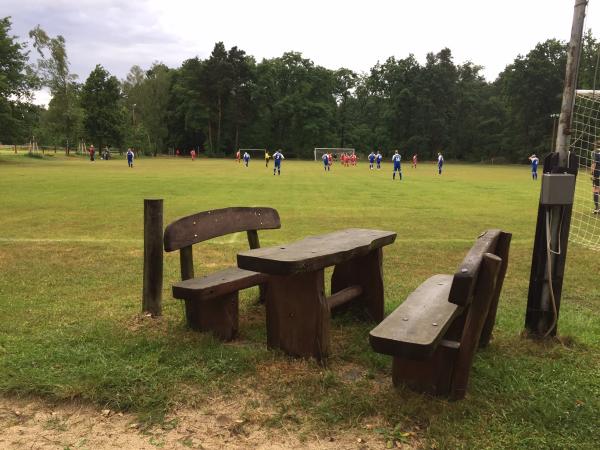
{"x":333,"y":33}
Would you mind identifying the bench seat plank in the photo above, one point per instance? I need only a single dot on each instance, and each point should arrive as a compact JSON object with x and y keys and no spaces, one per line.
{"x":416,"y":327}
{"x":315,"y":252}
{"x":217,"y":284}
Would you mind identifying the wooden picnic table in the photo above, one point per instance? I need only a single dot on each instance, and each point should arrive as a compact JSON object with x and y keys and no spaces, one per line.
{"x":298,"y":313}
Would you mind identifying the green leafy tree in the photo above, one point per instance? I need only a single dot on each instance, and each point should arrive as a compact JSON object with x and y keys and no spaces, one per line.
{"x":64,"y":118}
{"x":103,"y":117}
{"x":188,"y":114}
{"x":532,"y":87}
{"x":215,"y":88}
{"x":16,"y":83}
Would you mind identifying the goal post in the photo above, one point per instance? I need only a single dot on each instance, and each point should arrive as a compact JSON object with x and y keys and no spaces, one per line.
{"x":336,"y":150}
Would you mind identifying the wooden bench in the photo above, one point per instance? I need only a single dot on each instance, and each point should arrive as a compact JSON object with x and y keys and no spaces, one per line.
{"x":434,"y":334}
{"x":211,"y":302}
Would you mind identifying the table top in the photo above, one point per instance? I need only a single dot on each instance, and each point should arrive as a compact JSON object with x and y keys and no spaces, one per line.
{"x":314,"y":252}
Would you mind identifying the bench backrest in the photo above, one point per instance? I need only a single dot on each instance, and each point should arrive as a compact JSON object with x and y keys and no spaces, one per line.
{"x":187,"y":231}
{"x":465,"y":278}
{"x":206,"y":225}
{"x":476,"y":286}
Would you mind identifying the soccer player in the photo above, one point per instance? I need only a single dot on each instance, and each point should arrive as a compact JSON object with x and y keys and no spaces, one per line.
{"x":238,"y":155}
{"x":330,"y":159}
{"x":371,"y":160}
{"x":596,"y":177}
{"x":534,"y":166}
{"x":246,"y":158}
{"x":277,"y":157}
{"x":193,"y":154}
{"x":414,"y":159}
{"x":378,"y":159}
{"x":326,"y":162}
{"x":353,"y":159}
{"x":396,"y":159}
{"x":92,"y":152}
{"x":440,"y":163}
{"x":176,"y":153}
{"x":130,"y":157}
{"x":267,"y":157}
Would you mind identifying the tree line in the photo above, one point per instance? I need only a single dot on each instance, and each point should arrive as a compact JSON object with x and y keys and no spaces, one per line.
{"x":229,"y":100}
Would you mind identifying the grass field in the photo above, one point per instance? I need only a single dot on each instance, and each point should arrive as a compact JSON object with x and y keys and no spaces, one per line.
{"x":70,"y":293}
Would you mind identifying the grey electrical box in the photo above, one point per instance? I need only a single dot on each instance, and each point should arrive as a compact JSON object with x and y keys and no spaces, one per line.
{"x":557,"y":189}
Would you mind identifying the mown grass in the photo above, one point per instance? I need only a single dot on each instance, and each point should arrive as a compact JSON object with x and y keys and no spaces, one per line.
{"x":70,"y":295}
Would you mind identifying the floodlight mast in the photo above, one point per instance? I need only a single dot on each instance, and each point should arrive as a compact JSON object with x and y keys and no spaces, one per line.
{"x":556,"y":205}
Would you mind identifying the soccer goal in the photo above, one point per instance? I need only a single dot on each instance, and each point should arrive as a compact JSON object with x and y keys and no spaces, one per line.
{"x":585,"y":141}
{"x":335,"y":150}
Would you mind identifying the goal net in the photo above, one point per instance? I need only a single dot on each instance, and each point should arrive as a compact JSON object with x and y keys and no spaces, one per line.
{"x":319,"y":151}
{"x":585,"y":140}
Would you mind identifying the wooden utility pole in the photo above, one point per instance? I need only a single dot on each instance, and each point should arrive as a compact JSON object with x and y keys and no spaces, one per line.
{"x":153,"y":257}
{"x":556,"y":205}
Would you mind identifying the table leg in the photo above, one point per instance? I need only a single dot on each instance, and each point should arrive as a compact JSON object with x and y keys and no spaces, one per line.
{"x":368,"y":272}
{"x":298,"y":315}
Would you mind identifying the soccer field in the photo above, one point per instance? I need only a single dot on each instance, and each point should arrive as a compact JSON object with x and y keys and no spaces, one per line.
{"x":71,"y":279}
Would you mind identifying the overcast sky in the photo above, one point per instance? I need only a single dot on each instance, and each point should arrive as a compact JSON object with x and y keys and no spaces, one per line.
{"x":332,"y":33}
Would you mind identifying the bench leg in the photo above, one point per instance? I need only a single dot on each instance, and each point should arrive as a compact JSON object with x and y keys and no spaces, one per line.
{"x":366,"y":271}
{"x":218,"y":315}
{"x":432,"y":376}
{"x":298,"y":315}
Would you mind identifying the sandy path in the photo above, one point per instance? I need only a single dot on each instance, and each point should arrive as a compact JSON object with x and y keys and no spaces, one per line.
{"x":33,"y":424}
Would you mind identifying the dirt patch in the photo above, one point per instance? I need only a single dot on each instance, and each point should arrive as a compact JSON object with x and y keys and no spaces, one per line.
{"x":34,"y":424}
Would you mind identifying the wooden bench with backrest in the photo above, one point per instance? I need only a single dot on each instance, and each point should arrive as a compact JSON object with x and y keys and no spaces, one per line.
{"x":434,"y":334}
{"x":211,"y":302}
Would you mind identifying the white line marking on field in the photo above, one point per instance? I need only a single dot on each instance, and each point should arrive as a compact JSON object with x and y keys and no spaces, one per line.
{"x":231,"y":240}
{"x":83,"y":240}
{"x":234,"y":238}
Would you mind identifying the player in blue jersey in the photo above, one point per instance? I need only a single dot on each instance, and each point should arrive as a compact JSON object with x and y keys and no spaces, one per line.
{"x":326,"y":164}
{"x":378,"y":159}
{"x":397,"y":159}
{"x":246,"y":158}
{"x":534,"y":166}
{"x":371,"y":160}
{"x":277,"y":157}
{"x":130,"y":157}
{"x":596,"y":177}
{"x":440,"y":163}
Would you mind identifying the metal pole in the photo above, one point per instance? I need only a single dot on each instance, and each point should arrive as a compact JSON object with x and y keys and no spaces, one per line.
{"x":556,"y":204}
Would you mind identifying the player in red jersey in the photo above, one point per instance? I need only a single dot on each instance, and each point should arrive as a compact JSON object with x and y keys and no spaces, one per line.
{"x":414,"y":160}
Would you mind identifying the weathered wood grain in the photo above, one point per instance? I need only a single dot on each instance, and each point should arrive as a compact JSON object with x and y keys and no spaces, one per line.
{"x":218,"y":315}
{"x":298,"y":315}
{"x":219,"y":222}
{"x":502,"y":250}
{"x":484,"y":291}
{"x":153,"y":257}
{"x":217,"y":284}
{"x":315,"y":252}
{"x":464,"y":278}
{"x":415,"y":328}
{"x":344,"y":296}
